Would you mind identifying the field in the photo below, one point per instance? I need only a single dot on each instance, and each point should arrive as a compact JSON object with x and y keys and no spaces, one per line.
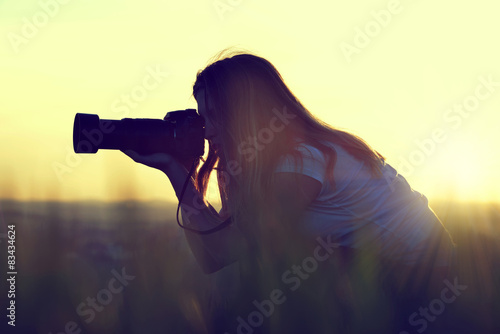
{"x":90,"y":267}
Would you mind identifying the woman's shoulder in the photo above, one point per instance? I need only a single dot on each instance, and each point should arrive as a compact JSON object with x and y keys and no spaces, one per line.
{"x":309,"y":150}
{"x":304,"y":158}
{"x":345,"y":168}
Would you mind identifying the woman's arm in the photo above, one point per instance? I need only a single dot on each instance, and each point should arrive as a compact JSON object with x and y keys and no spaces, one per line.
{"x":212,"y":251}
{"x":292,"y":194}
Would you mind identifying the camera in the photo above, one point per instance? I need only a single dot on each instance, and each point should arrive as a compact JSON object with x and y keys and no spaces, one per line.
{"x":181,"y":133}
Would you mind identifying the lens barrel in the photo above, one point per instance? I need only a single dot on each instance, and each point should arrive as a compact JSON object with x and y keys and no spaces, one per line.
{"x":181,"y":133}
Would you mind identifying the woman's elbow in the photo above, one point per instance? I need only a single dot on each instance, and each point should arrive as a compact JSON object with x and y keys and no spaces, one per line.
{"x":210,"y":265}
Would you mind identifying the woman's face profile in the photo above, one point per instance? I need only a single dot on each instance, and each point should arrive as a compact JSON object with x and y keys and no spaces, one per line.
{"x":205,"y":109}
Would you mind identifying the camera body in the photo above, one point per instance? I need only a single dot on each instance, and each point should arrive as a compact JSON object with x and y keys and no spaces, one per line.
{"x":181,"y":133}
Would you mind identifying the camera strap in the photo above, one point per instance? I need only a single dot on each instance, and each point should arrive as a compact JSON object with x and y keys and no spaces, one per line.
{"x":202,"y":232}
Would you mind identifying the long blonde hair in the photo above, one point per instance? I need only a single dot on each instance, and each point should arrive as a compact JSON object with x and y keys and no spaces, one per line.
{"x":247,"y":92}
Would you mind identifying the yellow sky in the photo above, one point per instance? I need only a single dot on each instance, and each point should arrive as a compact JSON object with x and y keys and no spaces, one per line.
{"x":419,"y":80}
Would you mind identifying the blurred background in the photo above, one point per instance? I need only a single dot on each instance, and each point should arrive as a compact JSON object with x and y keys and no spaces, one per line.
{"x":418,"y":80}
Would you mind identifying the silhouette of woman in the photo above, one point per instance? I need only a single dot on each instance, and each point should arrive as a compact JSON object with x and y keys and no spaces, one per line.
{"x":308,"y":210}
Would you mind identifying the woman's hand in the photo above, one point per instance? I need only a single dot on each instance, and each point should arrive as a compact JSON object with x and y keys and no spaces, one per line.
{"x":161,"y":161}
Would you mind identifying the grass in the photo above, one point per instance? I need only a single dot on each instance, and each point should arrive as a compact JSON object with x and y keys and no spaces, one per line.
{"x":66,"y":254}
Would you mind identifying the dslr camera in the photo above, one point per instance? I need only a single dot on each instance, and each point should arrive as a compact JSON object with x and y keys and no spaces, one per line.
{"x":181,"y":133}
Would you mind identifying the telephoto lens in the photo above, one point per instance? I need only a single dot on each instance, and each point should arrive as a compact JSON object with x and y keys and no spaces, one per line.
{"x":181,"y":133}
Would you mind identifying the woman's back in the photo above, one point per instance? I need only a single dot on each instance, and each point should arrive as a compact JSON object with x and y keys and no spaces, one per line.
{"x":363,"y":211}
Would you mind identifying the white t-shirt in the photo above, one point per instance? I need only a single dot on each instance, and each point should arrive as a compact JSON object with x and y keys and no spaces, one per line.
{"x":361,"y":211}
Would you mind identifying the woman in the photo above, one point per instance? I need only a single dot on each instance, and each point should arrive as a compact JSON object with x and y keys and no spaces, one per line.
{"x":289,"y":182}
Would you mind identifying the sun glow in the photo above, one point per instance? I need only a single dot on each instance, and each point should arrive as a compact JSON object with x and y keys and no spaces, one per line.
{"x":396,"y":89}
{"x":461,"y":170}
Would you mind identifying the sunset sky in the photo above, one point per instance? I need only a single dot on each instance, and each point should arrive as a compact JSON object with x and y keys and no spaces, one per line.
{"x":418,"y":80}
